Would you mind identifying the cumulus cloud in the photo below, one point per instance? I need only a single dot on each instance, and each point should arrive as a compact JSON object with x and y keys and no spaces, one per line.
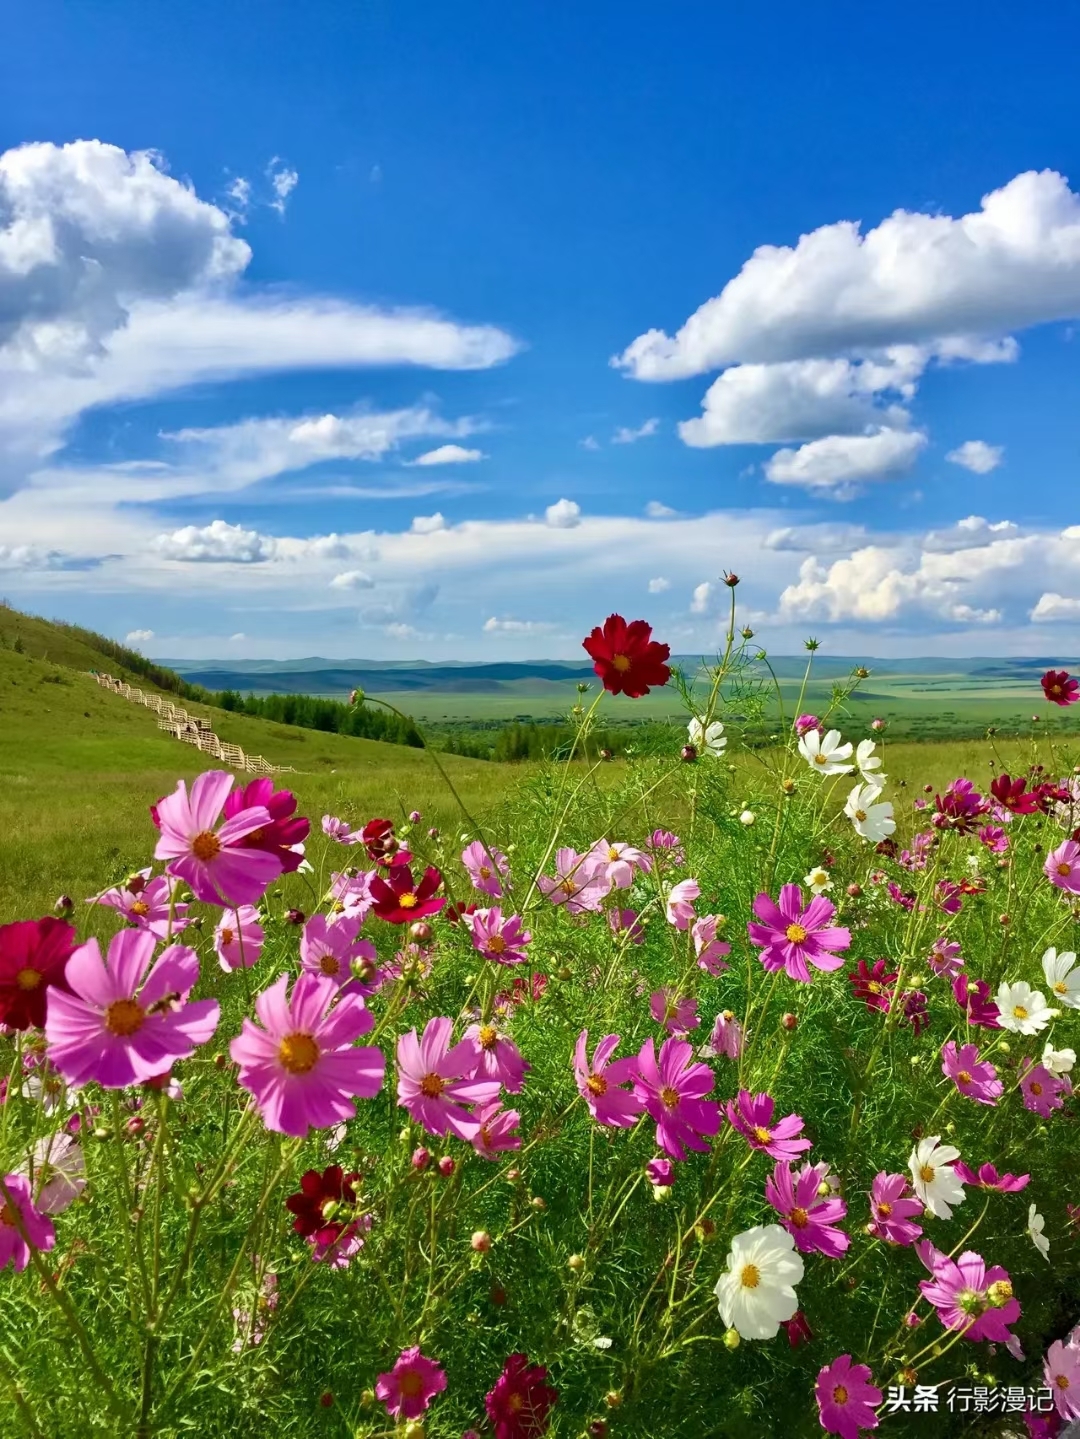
{"x":352,"y":580}
{"x":449,"y":455}
{"x":626,"y":436}
{"x":838,"y":464}
{"x":216,"y":542}
{"x":427,"y":524}
{"x":821,"y":539}
{"x":702,"y":598}
{"x":590,"y":442}
{"x":971,"y":532}
{"x":138,"y":637}
{"x":1052,"y":608}
{"x":657,"y":511}
{"x":659,"y":585}
{"x":516,"y":627}
{"x":283,"y":181}
{"x":977,"y":456}
{"x":563,"y":515}
{"x":29,"y":557}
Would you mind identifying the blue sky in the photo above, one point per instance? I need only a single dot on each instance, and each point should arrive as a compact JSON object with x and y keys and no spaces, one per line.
{"x":255,"y":262}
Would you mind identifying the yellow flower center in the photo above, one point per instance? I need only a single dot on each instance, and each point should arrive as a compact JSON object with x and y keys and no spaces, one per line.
{"x":762,"y":1135}
{"x":799,"y":1218}
{"x":621,"y":663}
{"x":298,"y":1053}
{"x":28,"y":978}
{"x":840,"y":1395}
{"x":613,"y":854}
{"x":820,"y":758}
{"x":963,"y":1077}
{"x":124,"y":1017}
{"x":874,"y":987}
{"x":1019,"y":1011}
{"x":1062,"y":1381}
{"x":1061,"y":987}
{"x":7,"y":1215}
{"x":796,"y":933}
{"x":1064,"y":869}
{"x":488,"y":1036}
{"x":999,"y":1293}
{"x":669,"y":1097}
{"x":927,"y":1173}
{"x":408,"y":901}
{"x":860,"y":815}
{"x":750,"y":1276}
{"x":729,"y":1015}
{"x":140,"y":907}
{"x":596,"y":1084}
{"x":1035,"y":1088}
{"x":227,"y":937}
{"x":485,"y":873}
{"x":496,"y":944}
{"x":884,"y":1209}
{"x":329,"y":964}
{"x":410,"y":1385}
{"x":432,"y":1085}
{"x":206,"y":846}
{"x":515,"y":1403}
{"x":568,"y":886}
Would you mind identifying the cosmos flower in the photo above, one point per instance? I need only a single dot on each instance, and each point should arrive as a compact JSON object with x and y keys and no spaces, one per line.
{"x":1060,"y":688}
{"x":825,"y":754}
{"x":1061,"y":1375}
{"x":894,"y":1210}
{"x":1062,"y":867}
{"x":1058,"y":1061}
{"x":147,"y":903}
{"x":969,"y":1297}
{"x":238,"y":939}
{"x":945,"y":958}
{"x":960,"y":808}
{"x":711,"y":952}
{"x":599,"y":1083}
{"x":973,"y":997}
{"x":869,"y":764}
{"x":677,"y":1013}
{"x":486,"y":868}
{"x":625,"y":921}
{"x":1042,"y":1089}
{"x":59,"y":1168}
{"x":805,"y":723}
{"x":399,"y":899}
{"x":330,"y":947}
{"x":520,"y":1402}
{"x":757,"y":1289}
{"x":626,"y":657}
{"x":495,"y":1128}
{"x":679,"y":903}
{"x":808,"y":1216}
{"x":672,"y":1091}
{"x":818,"y":880}
{"x":497,"y":1057}
{"x":411,"y":1385}
{"x":846,"y":1398}
{"x":33,"y":958}
{"x":873,"y":984}
{"x":727,"y":1035}
{"x":1035,"y":1226}
{"x":707,"y":739}
{"x":933,"y":1177}
{"x":436,"y":1080}
{"x":496,"y":938}
{"x":791,"y":935}
{"x":14,"y":1249}
{"x":617,"y":862}
{"x":1013,"y":794}
{"x":1021,"y":1009}
{"x":974,"y":1077}
{"x":870,"y":818}
{"x":1063,"y":977}
{"x":987,"y":1177}
{"x":215,"y":862}
{"x":752,"y":1116}
{"x":286,"y":832}
{"x":576,"y":883}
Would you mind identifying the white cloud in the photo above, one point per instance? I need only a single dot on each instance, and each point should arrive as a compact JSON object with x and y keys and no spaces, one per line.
{"x":625,"y":436}
{"x":427,"y":524}
{"x":516,"y":627}
{"x":352,"y":580}
{"x":400,"y":631}
{"x":238,"y":637}
{"x":837,"y":464}
{"x":215,"y":542}
{"x":977,"y":456}
{"x":590,"y":442}
{"x":563,"y":515}
{"x":1052,"y":608}
{"x":656,"y":511}
{"x":972,"y":532}
{"x":29,"y":557}
{"x":817,"y":538}
{"x":913,"y":278}
{"x":659,"y":585}
{"x":138,"y":637}
{"x":239,"y":192}
{"x":449,"y":455}
{"x":283,"y":181}
{"x":701,"y":598}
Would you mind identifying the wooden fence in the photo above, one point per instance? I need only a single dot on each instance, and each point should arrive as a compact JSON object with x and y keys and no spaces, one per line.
{"x":191,"y":729}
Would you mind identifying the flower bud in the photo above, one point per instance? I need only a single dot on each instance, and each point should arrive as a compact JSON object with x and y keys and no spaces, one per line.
{"x":862,"y":673}
{"x":415,"y":816}
{"x":576,"y":1262}
{"x":433,"y":833}
{"x":421,"y":1158}
{"x":367,"y":1399}
{"x":420,"y":932}
{"x":135,"y":1125}
{"x":326,"y":1400}
{"x":538,"y":1202}
{"x":65,"y":904}
{"x":481,"y":1241}
{"x":415,"y":1429}
{"x":854,"y":891}
{"x":605,"y":754}
{"x":613,"y":1398}
{"x":877,"y":724}
{"x":789,"y":1021}
{"x":564,"y":972}
{"x":688,"y":754}
{"x":513,"y":1175}
{"x":598,"y":1429}
{"x":447,"y":1166}
{"x":747,"y":633}
{"x":747,"y":817}
{"x":294,"y":916}
{"x":731,"y":1339}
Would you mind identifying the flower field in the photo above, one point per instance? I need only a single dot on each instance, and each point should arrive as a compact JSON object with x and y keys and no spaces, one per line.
{"x":724,"y":1092}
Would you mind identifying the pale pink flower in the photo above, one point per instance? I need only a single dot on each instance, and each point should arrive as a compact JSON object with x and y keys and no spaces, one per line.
{"x":727,"y":1035}
{"x":679,"y":905}
{"x":711,"y":952}
{"x":497,"y":1057}
{"x":617,"y":862}
{"x":239,"y":937}
{"x":576,"y":883}
{"x":486,"y":867}
{"x":677,"y":1013}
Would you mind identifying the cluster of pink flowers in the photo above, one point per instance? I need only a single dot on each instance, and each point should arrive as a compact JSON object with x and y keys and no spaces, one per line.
{"x":455,"y":1089}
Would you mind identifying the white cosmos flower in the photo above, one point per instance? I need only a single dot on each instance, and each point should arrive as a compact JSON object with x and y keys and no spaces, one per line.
{"x":1022,"y":1009}
{"x":59,"y":1172}
{"x":817,"y":881}
{"x":872,"y":820}
{"x":1035,"y":1227}
{"x":707,"y":739}
{"x":1063,"y":977}
{"x":825,"y":754}
{"x":757,"y":1291}
{"x":933,"y":1177}
{"x":1058,"y":1061}
{"x":869,"y":763}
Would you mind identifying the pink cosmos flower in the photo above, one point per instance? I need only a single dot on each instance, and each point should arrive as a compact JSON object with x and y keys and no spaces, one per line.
{"x":1062,"y":867}
{"x":660,"y":1173}
{"x":894,"y":1210}
{"x":576,"y":883}
{"x":147,"y":903}
{"x":520,"y":1401}
{"x":960,"y":808}
{"x":751,"y":1115}
{"x":994,"y":838}
{"x":336,"y":829}
{"x":666,"y":848}
{"x":679,"y":905}
{"x":1042,"y":1089}
{"x":900,"y":896}
{"x":239,"y":937}
{"x":126,"y":1019}
{"x":973,"y":997}
{"x":497,"y":1057}
{"x":625,"y":921}
{"x":678,"y":1014}
{"x":351,"y":893}
{"x":411,"y":1385}
{"x":791,"y":935}
{"x":944,"y":958}
{"x":436,"y":1080}
{"x":284,"y":836}
{"x":711,"y":952}
{"x":805,"y":723}
{"x":303,"y":1066}
{"x":727,"y":1035}
{"x":798,"y":1329}
{"x":987,"y":1177}
{"x":617,"y":862}
{"x":15,"y":1201}
{"x":969,"y":1297}
{"x":485,"y":866}
{"x":219,"y":867}
{"x":496,"y":938}
{"x":495,"y":1128}
{"x":330,"y":946}
{"x":949,"y":899}
{"x":1061,"y":1373}
{"x":846,"y":1398}
{"x":807,"y":1216}
{"x":975,"y":1077}
{"x":598,"y":1083}
{"x":671,"y":1089}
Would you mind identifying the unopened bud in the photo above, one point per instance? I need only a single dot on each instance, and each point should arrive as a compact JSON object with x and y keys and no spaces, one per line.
{"x":613,"y":1398}
{"x":688,"y":754}
{"x":731,"y":1339}
{"x":294,"y":916}
{"x":65,"y":904}
{"x":854,"y":891}
{"x":420,"y":932}
{"x":538,"y":1202}
{"x":789,"y":1021}
{"x":481,"y":1241}
{"x":447,"y":1165}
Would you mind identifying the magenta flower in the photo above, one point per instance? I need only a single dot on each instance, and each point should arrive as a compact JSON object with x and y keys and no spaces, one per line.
{"x":900,"y":896}
{"x":239,"y":937}
{"x":1061,"y":1374}
{"x":751,"y":1115}
{"x":678,"y":1014}
{"x":485,"y":867}
{"x":973,"y":997}
{"x":949,"y":899}
{"x":497,"y":1057}
{"x":329,"y":947}
{"x":846,"y":1398}
{"x":303,"y":1066}
{"x":1042,"y":1089}
{"x":598,"y":1083}
{"x":975,"y":1077}
{"x":968,"y":1296}
{"x":216,"y":863}
{"x":994,"y":838}
{"x":666,"y":847}
{"x":944,"y":958}
{"x":284,"y":836}
{"x":809,"y":1217}
{"x":436,"y":1081}
{"x":126,"y":1020}
{"x":495,"y":1128}
{"x":625,"y":921}
{"x":727,"y":1035}
{"x":894,"y":1210}
{"x":617,"y":862}
{"x":711,"y":952}
{"x":576,"y":883}
{"x":147,"y":903}
{"x":660,"y":1173}
{"x":671,"y":1089}
{"x":988,"y":1178}
{"x":1062,"y":867}
{"x":805,"y":723}
{"x":679,"y":905}
{"x":791,"y":935}
{"x":411,"y":1385}
{"x":496,"y":938}
{"x":399,"y":899}
{"x":960,"y":808}
{"x":16,"y":1205}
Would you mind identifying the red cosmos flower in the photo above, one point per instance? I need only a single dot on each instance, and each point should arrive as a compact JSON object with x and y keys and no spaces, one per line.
{"x":1010,"y":794}
{"x":283,"y":831}
{"x":872,"y":985}
{"x":798,"y":1331}
{"x":332,"y":1188}
{"x":520,"y":1402}
{"x":1060,"y":688}
{"x":382,"y":845}
{"x":33,"y":956}
{"x":399,"y":900}
{"x":626,"y":657}
{"x":455,"y":913}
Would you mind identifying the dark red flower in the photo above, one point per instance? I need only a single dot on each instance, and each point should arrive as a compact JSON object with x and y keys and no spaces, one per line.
{"x":626,"y":657}
{"x":455,"y":913}
{"x":1060,"y":688}
{"x":382,"y":844}
{"x":331,"y":1190}
{"x":33,"y":956}
{"x":973,"y":997}
{"x":284,"y":830}
{"x":959,"y":808}
{"x":399,"y":900}
{"x":873,"y":985}
{"x":1010,"y":794}
{"x":520,"y":1402}
{"x":914,"y":1009}
{"x":798,"y":1331}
